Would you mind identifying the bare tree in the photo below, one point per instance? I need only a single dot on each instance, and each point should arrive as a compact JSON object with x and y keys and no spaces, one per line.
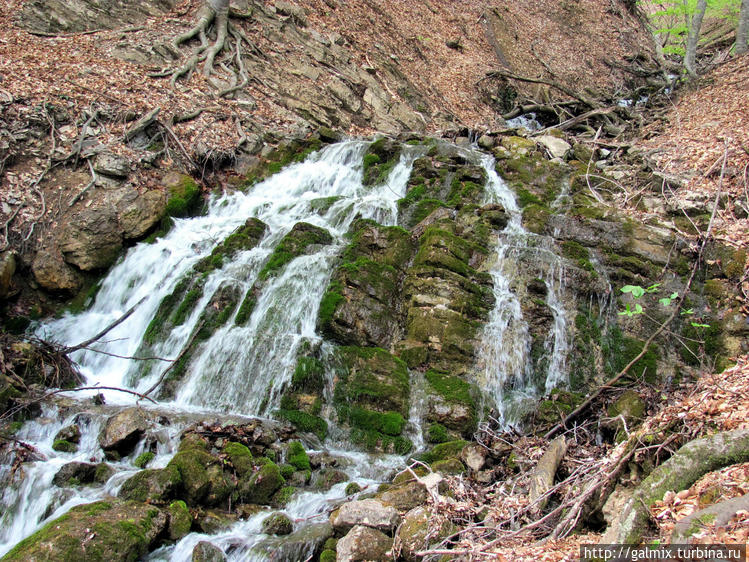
{"x":694,"y":35}
{"x":742,"y":32}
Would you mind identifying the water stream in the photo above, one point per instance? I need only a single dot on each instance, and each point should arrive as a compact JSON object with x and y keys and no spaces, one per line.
{"x":242,"y":370}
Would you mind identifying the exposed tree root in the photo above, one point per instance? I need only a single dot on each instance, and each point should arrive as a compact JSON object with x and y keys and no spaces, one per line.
{"x":213,"y":16}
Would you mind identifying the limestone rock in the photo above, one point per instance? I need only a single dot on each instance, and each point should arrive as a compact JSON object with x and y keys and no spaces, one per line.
{"x":139,"y":213}
{"x":112,"y":165}
{"x":474,"y":456}
{"x":205,"y":551}
{"x":419,"y":530}
{"x":362,"y":544}
{"x":124,"y":531}
{"x":369,"y":513}
{"x":53,"y":274}
{"x":300,"y":545}
{"x":123,"y":430}
{"x":92,"y":239}
{"x":557,"y":147}
{"x":404,"y":497}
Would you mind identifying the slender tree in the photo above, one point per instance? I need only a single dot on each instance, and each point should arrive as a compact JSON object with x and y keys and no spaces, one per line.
{"x":742,"y":32}
{"x":694,"y":35}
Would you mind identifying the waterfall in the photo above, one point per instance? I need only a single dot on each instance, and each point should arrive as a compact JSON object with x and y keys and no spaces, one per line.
{"x":239,"y":369}
{"x":504,"y":357}
{"x":243,"y":368}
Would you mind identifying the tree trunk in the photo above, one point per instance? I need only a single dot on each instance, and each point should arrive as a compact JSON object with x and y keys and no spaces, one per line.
{"x":742,"y":32}
{"x":694,"y":35}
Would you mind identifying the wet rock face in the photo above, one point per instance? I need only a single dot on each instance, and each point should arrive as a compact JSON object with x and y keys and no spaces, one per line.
{"x":124,"y":531}
{"x":205,"y":551}
{"x":82,"y":473}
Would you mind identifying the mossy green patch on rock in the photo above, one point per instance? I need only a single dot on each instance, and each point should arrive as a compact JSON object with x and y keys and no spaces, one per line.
{"x":372,"y":378}
{"x":180,"y":520}
{"x":243,"y":238}
{"x":113,"y":531}
{"x":297,"y":457}
{"x":240,"y":457}
{"x":304,"y":422}
{"x":443,"y":451}
{"x":260,"y":487}
{"x":379,"y":160}
{"x":143,"y":459}
{"x":297,"y":242}
{"x":64,"y":446}
{"x":152,"y":485}
{"x":183,"y":196}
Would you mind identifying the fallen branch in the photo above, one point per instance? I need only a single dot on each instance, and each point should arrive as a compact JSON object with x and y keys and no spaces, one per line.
{"x":105,"y":331}
{"x":556,"y":85}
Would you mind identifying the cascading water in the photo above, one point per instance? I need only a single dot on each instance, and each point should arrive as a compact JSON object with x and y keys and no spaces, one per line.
{"x":504,"y":358}
{"x":242,"y":369}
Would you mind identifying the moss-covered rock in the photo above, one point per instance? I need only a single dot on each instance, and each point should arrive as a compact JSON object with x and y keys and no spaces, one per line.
{"x":296,"y":456}
{"x":240,"y":457}
{"x":191,"y":464}
{"x":452,"y":402}
{"x":300,"y":240}
{"x":63,"y":446}
{"x":152,"y":485}
{"x":106,"y":530}
{"x":260,"y":487}
{"x":444,"y":451}
{"x":379,"y":160}
{"x":277,"y":524}
{"x":180,"y":520}
{"x":143,"y":459}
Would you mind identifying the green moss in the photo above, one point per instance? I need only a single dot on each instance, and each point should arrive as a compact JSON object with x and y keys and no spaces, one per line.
{"x":619,"y":350}
{"x":308,"y":375}
{"x":183,"y":197}
{"x":260,"y":487}
{"x":701,"y":343}
{"x":331,"y":299}
{"x":287,"y":471}
{"x":186,"y":306}
{"x":390,"y":423}
{"x":297,"y":457}
{"x":437,"y":433}
{"x":284,"y":495}
{"x":295,"y":243}
{"x":64,"y":446}
{"x":579,"y":254}
{"x":443,"y":451}
{"x":243,"y":238}
{"x":304,"y":422}
{"x":525,"y":198}
{"x":180,"y":520}
{"x":352,"y":488}
{"x":449,"y":467}
{"x":239,"y":456}
{"x":323,"y":204}
{"x":536,"y":218}
{"x":143,"y":459}
{"x":328,"y":556}
{"x":379,"y":160}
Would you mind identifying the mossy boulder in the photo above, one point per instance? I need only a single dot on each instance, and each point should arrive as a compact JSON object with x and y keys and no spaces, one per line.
{"x":277,"y":524}
{"x":63,"y":446}
{"x":82,"y":473}
{"x":192,"y":464}
{"x":106,"y":530}
{"x":180,"y":520}
{"x":260,"y":487}
{"x":143,"y":459}
{"x":152,"y":485}
{"x":296,"y":456}
{"x":452,"y":402}
{"x":123,"y":430}
{"x":240,"y":457}
{"x":183,"y":195}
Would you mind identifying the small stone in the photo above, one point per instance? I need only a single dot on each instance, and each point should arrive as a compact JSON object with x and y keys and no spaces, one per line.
{"x":370,"y":513}
{"x":486,"y":142}
{"x":205,"y":551}
{"x":277,"y":524}
{"x":123,"y":430}
{"x":474,"y":456}
{"x":112,"y":165}
{"x":363,"y":543}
